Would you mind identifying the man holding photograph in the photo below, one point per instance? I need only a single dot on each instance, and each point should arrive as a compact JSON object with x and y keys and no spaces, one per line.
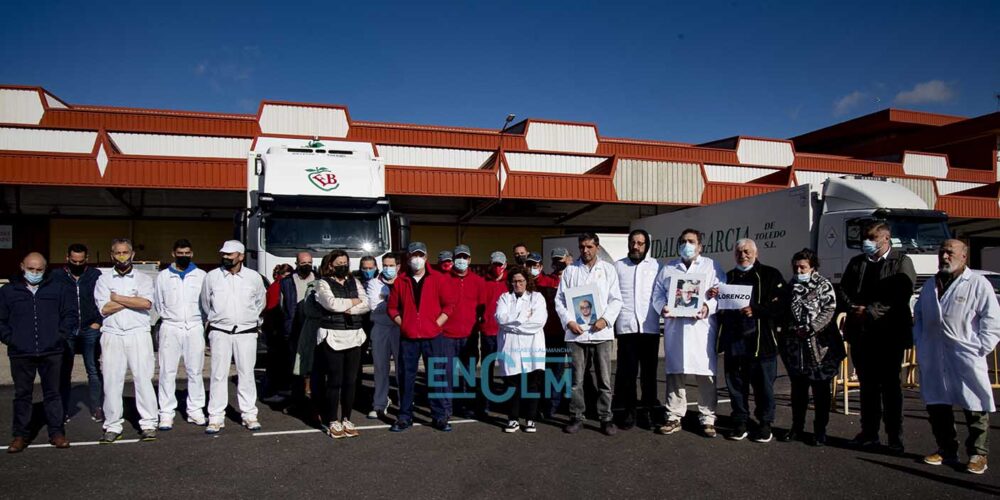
{"x":689,"y":342}
{"x":590,"y":346}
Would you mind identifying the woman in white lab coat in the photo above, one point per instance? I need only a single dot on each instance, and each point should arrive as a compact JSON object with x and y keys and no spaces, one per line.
{"x":521,"y":315}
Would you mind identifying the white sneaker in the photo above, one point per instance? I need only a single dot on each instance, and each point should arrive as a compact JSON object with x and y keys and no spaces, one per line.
{"x":336,"y":430}
{"x":251,"y":424}
{"x":529,"y":426}
{"x":214,"y":428}
{"x":372,"y":415}
{"x":166,"y":424}
{"x":197,"y":419}
{"x":512,"y":426}
{"x":349,"y":429}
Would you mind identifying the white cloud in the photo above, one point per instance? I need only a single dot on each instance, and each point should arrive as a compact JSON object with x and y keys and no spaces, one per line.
{"x":934,"y":91}
{"x":850,"y":101}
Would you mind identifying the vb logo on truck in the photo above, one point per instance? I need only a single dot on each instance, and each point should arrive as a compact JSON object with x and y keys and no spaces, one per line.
{"x":322,"y":178}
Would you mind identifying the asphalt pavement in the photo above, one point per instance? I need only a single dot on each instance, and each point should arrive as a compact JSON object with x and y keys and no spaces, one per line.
{"x":289,"y":458}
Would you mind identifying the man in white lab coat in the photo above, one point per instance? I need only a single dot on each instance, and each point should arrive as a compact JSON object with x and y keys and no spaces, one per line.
{"x":233,"y":298}
{"x":591,"y":345}
{"x":182,"y":334}
{"x":689,"y":343}
{"x":124,"y":296}
{"x":638,"y":331}
{"x":957,"y":325}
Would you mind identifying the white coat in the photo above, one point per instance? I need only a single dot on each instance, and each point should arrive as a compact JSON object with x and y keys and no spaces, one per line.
{"x":953,"y":335}
{"x":689,"y":343}
{"x":521,"y":339}
{"x":605,"y":278}
{"x":178,"y":301}
{"x":636,"y":283}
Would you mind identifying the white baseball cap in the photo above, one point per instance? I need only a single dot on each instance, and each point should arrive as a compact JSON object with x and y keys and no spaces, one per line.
{"x":231,"y":246}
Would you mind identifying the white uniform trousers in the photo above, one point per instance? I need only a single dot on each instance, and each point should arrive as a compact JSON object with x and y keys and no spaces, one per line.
{"x":241,"y":348}
{"x":130,"y":352}
{"x":677,"y":404}
{"x":176,"y":342}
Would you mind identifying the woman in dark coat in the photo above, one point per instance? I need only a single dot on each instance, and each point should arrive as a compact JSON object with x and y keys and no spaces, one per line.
{"x":811,"y":345}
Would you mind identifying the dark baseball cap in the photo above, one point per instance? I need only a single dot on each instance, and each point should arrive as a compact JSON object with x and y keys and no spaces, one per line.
{"x":417,"y":246}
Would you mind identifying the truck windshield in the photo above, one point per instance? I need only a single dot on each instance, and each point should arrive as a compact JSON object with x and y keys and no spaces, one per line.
{"x":918,"y":235}
{"x":286,"y":234}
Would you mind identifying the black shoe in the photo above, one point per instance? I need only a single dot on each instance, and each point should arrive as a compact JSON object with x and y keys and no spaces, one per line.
{"x":739,"y":433}
{"x":400,"y":426}
{"x":573,"y":427}
{"x":863,"y":440}
{"x":896,"y":446}
{"x":792,"y":435}
{"x":609,"y":428}
{"x":441,"y":425}
{"x":819,"y":439}
{"x":467,"y":414}
{"x":627,"y":421}
{"x":763,"y":434}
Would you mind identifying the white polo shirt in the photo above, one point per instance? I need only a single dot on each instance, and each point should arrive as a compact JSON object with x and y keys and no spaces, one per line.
{"x":133,"y":284}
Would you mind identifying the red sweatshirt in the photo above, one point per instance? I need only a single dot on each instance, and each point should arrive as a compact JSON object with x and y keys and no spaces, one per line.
{"x":468,"y":294}
{"x":420,"y":323}
{"x":492,"y":290}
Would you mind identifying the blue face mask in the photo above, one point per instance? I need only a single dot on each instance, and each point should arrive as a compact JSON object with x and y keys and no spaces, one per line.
{"x":869,"y":248}
{"x":686,"y":250}
{"x":744,"y":268}
{"x":461,"y":265}
{"x":33,"y":278}
{"x":368,"y":273}
{"x":802,"y":278}
{"x":389,"y":272}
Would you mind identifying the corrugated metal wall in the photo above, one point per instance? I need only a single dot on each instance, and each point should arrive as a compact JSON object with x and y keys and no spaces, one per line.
{"x":433,"y":157}
{"x":440,"y":182}
{"x":124,"y":172}
{"x":949,"y":187}
{"x":149,"y":122}
{"x":20,"y":106}
{"x":560,"y":187}
{"x":962,"y":206}
{"x":560,"y":164}
{"x":718,"y":193}
{"x":53,"y":141}
{"x":808,"y":177}
{"x":728,"y":173}
{"x":768,"y":153}
{"x":922,"y":187}
{"x":561,"y":137}
{"x":658,"y":182}
{"x":926,"y":165}
{"x":302,"y":120}
{"x":181,"y":145}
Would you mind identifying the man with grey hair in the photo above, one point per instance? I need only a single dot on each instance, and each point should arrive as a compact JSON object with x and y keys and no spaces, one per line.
{"x":748,"y":341}
{"x":957,"y":325}
{"x":124,"y":298}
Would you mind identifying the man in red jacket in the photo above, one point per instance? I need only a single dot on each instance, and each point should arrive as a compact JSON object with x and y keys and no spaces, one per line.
{"x":494,"y":287}
{"x":421,"y":304}
{"x":461,"y":331}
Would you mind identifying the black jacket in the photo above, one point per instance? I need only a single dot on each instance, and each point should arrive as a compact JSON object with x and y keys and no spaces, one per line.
{"x":888,"y":320}
{"x":83,"y":291}
{"x":755,"y":336}
{"x":37,"y":324}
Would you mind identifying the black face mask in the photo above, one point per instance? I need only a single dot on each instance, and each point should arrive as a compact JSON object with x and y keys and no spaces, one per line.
{"x":558,"y":266}
{"x":77,"y":269}
{"x":228,"y":263}
{"x":304,"y":270}
{"x":519,"y":259}
{"x":182,"y":262}
{"x":341,"y":271}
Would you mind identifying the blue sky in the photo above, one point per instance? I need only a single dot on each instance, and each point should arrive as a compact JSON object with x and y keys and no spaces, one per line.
{"x":688,"y":72}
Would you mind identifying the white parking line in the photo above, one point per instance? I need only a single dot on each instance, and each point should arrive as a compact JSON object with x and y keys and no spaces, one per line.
{"x":85,"y":443}
{"x":360,"y":428}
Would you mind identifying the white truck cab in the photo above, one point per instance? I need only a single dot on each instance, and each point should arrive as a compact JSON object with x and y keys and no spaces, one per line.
{"x":316,"y":196}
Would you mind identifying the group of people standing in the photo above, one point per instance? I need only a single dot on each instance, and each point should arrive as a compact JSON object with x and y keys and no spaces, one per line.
{"x":519,"y":321}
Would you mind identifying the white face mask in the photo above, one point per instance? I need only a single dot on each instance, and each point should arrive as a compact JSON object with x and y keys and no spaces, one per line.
{"x":535,"y":271}
{"x":687,"y":250}
{"x":417,"y":263}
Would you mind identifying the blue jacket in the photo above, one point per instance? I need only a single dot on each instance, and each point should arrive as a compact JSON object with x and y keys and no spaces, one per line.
{"x":289,"y":304}
{"x":83,"y":290}
{"x":37,"y":324}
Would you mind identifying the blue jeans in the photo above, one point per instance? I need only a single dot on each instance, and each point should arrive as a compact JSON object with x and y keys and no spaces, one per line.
{"x":433,"y":350}
{"x":744,"y":373}
{"x":88,"y":343}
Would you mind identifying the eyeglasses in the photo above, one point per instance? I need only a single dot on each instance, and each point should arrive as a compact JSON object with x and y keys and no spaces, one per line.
{"x":519,"y":281}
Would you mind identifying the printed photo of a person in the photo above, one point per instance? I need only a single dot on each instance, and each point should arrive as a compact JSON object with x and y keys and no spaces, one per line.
{"x":687,"y":294}
{"x":585,"y":310}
